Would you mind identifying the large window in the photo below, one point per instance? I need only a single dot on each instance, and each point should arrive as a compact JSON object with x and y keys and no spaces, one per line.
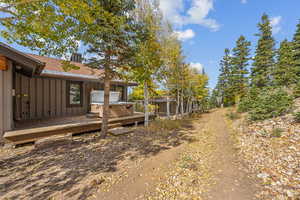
{"x":74,"y":94}
{"x":121,"y":90}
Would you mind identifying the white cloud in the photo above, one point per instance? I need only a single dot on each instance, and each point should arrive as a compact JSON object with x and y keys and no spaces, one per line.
{"x":244,"y":1}
{"x":185,"y":35}
{"x":197,"y":66}
{"x":196,"y":13}
{"x":275,"y":23}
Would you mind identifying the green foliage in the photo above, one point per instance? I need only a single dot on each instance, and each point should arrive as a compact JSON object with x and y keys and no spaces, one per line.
{"x":297,"y":117}
{"x":233,"y":115}
{"x":224,"y":86}
{"x":296,"y":90}
{"x":239,"y":62}
{"x":247,"y":102}
{"x":269,"y":103}
{"x":276,"y":132}
{"x":284,"y":73}
{"x":264,"y":58}
{"x":296,"y":50}
{"x":138,"y":92}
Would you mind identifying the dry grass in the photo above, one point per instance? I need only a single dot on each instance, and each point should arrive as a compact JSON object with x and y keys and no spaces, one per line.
{"x":67,"y":169}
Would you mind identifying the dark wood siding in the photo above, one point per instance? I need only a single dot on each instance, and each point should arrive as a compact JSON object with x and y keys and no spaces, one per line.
{"x":47,"y":98}
{"x":39,"y":98}
{"x":6,"y":99}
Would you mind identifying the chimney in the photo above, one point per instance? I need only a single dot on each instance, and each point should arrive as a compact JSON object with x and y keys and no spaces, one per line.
{"x":76,"y":57}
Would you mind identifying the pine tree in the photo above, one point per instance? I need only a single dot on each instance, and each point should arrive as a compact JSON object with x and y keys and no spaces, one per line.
{"x":264,"y":58}
{"x":284,"y":73}
{"x":296,"y":50}
{"x":224,"y":85}
{"x":240,"y":59}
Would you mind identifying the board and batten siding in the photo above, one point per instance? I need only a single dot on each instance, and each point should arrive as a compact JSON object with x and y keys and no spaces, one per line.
{"x":6,"y":99}
{"x":40,"y":98}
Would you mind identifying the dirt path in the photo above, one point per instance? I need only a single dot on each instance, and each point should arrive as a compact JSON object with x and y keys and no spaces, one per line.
{"x":232,"y":181}
{"x":141,"y":180}
{"x":206,"y":168}
{"x":189,"y":159}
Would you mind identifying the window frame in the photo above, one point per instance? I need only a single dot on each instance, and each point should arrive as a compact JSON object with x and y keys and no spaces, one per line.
{"x":69,"y":83}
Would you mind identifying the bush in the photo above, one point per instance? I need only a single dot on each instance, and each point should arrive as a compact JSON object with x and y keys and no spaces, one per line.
{"x":270,"y":102}
{"x":247,"y":102}
{"x":296,"y":90}
{"x":297,"y":117}
{"x":233,"y":115}
{"x":276,"y":132}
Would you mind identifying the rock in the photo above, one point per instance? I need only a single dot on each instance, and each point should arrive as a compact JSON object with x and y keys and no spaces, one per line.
{"x":290,"y":193}
{"x":263,"y":175}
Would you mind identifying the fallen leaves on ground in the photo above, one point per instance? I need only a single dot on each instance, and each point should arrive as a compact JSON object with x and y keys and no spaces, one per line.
{"x":271,"y":149}
{"x":190,"y":176}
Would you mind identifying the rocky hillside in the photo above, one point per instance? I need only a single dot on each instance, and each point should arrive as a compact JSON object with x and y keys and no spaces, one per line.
{"x":271,"y":149}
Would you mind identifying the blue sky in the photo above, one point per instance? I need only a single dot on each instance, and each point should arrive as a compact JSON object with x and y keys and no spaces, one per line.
{"x":207,"y":27}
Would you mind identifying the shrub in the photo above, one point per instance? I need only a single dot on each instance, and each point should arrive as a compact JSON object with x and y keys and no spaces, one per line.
{"x":276,"y":132}
{"x":270,"y":103}
{"x":165,"y":125}
{"x":233,"y":115}
{"x":296,"y":90}
{"x":297,"y":117}
{"x":247,"y":102}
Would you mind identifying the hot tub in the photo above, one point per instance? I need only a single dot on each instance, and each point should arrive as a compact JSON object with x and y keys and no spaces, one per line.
{"x":119,"y":109}
{"x":116,"y":108}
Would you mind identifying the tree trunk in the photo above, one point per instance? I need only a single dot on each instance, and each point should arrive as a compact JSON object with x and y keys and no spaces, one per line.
{"x":177,"y":104}
{"x":168,"y":107}
{"x":146,"y":104}
{"x":104,"y":128}
{"x":182,"y":106}
{"x":187,"y":109}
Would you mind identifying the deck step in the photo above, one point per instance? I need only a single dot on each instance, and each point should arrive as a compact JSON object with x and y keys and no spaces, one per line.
{"x":120,"y":131}
{"x":92,"y":115}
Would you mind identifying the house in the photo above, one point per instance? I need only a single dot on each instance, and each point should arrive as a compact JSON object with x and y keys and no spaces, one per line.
{"x":34,"y":88}
{"x":164,"y":105}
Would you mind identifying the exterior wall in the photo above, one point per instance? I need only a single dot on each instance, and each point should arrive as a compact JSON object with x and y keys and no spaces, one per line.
{"x":38,"y":98}
{"x":162,"y":107}
{"x":1,"y":103}
{"x":6,"y":99}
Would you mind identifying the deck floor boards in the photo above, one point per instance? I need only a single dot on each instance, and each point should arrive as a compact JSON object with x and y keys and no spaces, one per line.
{"x":32,"y":131}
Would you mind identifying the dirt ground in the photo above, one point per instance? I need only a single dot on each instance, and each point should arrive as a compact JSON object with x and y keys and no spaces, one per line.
{"x":193,"y":160}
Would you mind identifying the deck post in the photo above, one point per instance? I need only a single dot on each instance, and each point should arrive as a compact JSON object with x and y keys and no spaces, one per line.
{"x":6,"y":105}
{"x":1,"y":104}
{"x":168,"y":107}
{"x":8,"y":97}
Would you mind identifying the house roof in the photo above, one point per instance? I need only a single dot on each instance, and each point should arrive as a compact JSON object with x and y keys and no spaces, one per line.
{"x":30,"y":64}
{"x":35,"y":65}
{"x":54,"y":68}
{"x":54,"y":64}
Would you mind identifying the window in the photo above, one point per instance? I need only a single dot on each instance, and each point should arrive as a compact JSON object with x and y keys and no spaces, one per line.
{"x":74,"y":95}
{"x":121,"y":90}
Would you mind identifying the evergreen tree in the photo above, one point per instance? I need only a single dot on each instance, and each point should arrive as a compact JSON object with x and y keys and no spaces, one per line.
{"x":264,"y":58}
{"x":240,"y":59}
{"x":296,"y":50}
{"x":284,"y":73}
{"x":224,"y":85}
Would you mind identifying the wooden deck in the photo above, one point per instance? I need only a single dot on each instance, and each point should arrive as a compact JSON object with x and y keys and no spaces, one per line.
{"x":27,"y":132}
